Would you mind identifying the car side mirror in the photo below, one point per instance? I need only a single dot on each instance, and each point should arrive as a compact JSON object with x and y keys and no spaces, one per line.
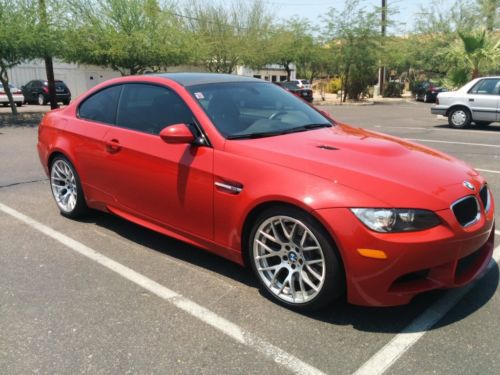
{"x":177,"y":134}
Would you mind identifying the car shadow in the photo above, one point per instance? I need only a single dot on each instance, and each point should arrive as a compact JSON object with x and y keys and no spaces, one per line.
{"x":490,"y":128}
{"x":367,"y":319}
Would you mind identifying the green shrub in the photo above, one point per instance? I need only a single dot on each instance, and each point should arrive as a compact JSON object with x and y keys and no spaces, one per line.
{"x":392,"y":90}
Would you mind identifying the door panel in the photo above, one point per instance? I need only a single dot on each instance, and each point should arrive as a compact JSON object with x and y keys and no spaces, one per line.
{"x":484,"y":107}
{"x":171,"y":184}
{"x":483,"y":99}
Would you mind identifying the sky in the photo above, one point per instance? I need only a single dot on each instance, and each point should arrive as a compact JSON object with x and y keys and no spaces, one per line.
{"x":314,"y":9}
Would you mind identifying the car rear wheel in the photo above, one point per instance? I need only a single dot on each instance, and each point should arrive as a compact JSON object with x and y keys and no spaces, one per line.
{"x":66,"y":188}
{"x":294,"y":259}
{"x":66,"y":102}
{"x":19,"y":104}
{"x":41,"y":99}
{"x":459,"y":118}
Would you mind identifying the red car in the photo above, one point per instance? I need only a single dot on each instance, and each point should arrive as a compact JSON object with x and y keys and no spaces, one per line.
{"x":246,"y":170}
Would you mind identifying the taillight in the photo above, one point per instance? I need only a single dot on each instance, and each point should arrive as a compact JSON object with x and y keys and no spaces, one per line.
{"x":45,"y":90}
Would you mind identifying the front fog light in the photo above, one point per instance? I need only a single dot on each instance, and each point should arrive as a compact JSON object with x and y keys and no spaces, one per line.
{"x":396,"y":219}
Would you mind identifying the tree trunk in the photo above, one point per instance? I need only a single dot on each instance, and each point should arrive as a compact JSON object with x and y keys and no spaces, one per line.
{"x":475,"y":72}
{"x":4,"y":78}
{"x":286,"y":65}
{"x":49,"y":69}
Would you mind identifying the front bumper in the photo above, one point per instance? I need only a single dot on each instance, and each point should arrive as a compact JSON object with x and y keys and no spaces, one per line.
{"x":445,"y":256}
{"x":435,"y":110}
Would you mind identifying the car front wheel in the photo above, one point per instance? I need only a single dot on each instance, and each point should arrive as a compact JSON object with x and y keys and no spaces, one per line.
{"x":294,"y":260}
{"x":459,"y":118}
{"x":66,"y":188}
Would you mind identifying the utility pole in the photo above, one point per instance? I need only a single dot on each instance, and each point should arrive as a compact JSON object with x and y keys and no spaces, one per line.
{"x":49,"y":68}
{"x":381,"y":70}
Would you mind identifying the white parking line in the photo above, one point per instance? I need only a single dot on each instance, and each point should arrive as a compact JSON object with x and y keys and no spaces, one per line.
{"x":453,"y":143}
{"x":486,"y":170}
{"x":392,"y":351}
{"x":230,"y":329}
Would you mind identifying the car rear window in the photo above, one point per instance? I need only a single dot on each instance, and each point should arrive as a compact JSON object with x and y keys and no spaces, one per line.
{"x":486,"y":87}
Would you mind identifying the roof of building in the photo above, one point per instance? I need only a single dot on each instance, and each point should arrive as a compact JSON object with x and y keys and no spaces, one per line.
{"x":192,"y":79}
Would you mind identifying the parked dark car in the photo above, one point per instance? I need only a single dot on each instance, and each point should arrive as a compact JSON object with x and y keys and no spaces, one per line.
{"x":302,"y":93}
{"x":37,"y":91}
{"x":427,"y":91}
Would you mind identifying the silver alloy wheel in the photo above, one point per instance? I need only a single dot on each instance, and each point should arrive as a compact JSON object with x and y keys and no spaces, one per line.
{"x":41,"y":100}
{"x":426,"y":99}
{"x":63,"y":184}
{"x":459,"y":117}
{"x":289,"y":259}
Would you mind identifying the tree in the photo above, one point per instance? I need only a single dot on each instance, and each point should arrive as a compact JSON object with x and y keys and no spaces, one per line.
{"x":228,"y":35}
{"x":130,"y":36}
{"x":354,"y":41}
{"x":474,"y":49}
{"x":17,"y":41}
{"x":488,"y":10}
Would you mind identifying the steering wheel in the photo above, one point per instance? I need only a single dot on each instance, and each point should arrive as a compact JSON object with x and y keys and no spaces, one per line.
{"x":277,"y":114}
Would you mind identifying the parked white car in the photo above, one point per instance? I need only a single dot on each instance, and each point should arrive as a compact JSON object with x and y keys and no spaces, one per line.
{"x":478,"y":101}
{"x":17,"y":95}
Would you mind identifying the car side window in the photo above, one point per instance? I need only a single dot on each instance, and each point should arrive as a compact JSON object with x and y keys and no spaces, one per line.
{"x":101,"y":106}
{"x":486,"y":87}
{"x":150,"y":108}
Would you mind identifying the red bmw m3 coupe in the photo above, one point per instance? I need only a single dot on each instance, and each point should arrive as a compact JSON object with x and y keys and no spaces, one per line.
{"x":246,"y":170}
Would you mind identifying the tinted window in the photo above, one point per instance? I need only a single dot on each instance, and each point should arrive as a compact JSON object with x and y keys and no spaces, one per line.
{"x":487,"y":87}
{"x":101,"y":106}
{"x":150,"y":108}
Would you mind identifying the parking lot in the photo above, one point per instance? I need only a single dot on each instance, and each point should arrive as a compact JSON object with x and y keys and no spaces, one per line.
{"x":106,"y":296}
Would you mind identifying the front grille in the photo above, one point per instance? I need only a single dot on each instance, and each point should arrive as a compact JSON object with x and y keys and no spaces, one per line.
{"x":466,"y":210}
{"x":485,"y":197}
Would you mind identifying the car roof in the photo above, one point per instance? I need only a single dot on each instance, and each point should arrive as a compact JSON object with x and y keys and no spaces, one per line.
{"x":193,"y":79}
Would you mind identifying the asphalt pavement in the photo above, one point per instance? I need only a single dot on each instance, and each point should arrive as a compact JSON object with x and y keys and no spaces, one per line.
{"x":103,"y":295}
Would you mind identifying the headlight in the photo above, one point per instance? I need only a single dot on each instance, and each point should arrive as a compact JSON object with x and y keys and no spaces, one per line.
{"x":396,"y":219}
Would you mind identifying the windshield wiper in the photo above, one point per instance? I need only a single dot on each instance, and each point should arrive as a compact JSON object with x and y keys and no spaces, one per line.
{"x":279,"y":132}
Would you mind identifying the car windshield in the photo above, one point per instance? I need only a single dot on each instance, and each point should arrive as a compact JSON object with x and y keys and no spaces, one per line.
{"x":255,"y":109}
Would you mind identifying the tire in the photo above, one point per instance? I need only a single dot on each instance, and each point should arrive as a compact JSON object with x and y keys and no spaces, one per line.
{"x":41,"y":100}
{"x":19,"y":104}
{"x":66,"y":102}
{"x":459,"y":118}
{"x":305,"y":273}
{"x":67,"y":189}
{"x":482,"y":124}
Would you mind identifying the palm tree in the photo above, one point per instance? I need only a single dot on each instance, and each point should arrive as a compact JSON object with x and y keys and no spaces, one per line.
{"x":476,"y":48}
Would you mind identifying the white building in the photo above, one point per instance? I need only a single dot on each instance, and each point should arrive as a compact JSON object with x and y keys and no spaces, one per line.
{"x":80,"y":78}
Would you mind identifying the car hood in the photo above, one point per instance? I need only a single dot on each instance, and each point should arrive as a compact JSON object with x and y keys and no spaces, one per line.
{"x":393,"y":171}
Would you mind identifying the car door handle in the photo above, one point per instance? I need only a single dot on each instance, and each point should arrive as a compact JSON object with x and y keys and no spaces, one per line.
{"x":471,"y":100}
{"x":113,"y":146}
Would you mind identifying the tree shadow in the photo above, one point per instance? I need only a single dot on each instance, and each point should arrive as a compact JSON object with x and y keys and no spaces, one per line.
{"x":366,"y":319}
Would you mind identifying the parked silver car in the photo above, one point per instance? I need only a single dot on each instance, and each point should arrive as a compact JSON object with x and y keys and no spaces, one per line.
{"x":478,"y":101}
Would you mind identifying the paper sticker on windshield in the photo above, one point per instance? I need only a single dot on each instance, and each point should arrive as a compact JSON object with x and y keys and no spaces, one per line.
{"x":199,"y":95}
